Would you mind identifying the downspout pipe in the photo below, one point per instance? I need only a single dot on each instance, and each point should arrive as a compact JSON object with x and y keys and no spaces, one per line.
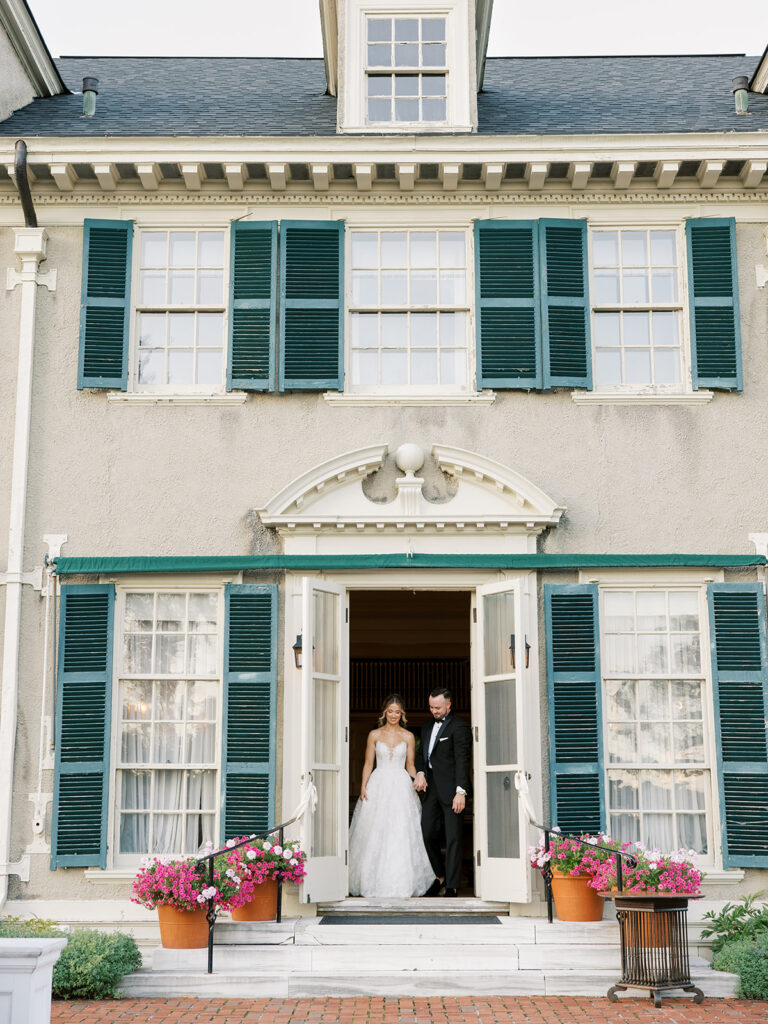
{"x":30,"y":249}
{"x":22,"y":184}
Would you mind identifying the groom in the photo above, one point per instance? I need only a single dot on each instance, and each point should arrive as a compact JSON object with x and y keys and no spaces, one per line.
{"x":442,"y":763}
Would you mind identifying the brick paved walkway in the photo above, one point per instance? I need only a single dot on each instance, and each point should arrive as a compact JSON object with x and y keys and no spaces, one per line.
{"x":377,"y":1010}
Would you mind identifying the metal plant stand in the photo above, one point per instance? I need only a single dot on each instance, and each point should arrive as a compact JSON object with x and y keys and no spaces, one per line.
{"x":654,"y":944}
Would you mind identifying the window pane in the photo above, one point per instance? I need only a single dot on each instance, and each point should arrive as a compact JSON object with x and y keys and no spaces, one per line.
{"x":200,"y":744}
{"x":209,"y":369}
{"x":423,"y":288}
{"x":406,"y":55}
{"x":423,"y":249}
{"x":182,"y":249}
{"x":651,"y":654}
{"x":152,"y":330}
{"x":380,"y":85}
{"x":151,"y":367}
{"x":453,"y":291}
{"x":620,"y":653}
{"x":622,"y":743}
{"x":169,"y":654}
{"x":607,"y":330}
{"x":453,"y":367}
{"x":653,"y":699}
{"x":394,"y":249}
{"x":689,"y":741}
{"x":620,"y":700}
{"x":503,"y":815}
{"x":655,"y":743}
{"x":203,"y":613}
{"x":606,"y":287}
{"x":365,"y":288}
{"x":137,"y":654}
{"x":424,"y":330}
{"x":210,"y":286}
{"x":652,"y":611}
{"x":619,"y":611}
{"x":433,"y":55}
{"x":452,"y":249}
{"x":210,"y":329}
{"x":637,"y":329}
{"x":432,"y":29}
{"x":637,"y":363}
{"x":201,"y":701}
{"x":635,"y":285}
{"x":607,"y":367}
{"x":134,"y":833}
{"x":171,"y":612}
{"x":202,"y":655}
{"x":453,"y":329}
{"x":406,"y":110}
{"x":686,"y":699}
{"x":154,"y":246}
{"x":605,"y":248}
{"x":692,"y":832}
{"x":134,"y":743}
{"x":686,"y":654}
{"x":656,"y":790}
{"x":365,"y":330}
{"x":136,"y":700}
{"x":394,"y":367}
{"x":135,"y":788}
{"x":665,"y":328}
{"x":365,"y":249}
{"x":210,"y":249}
{"x":623,"y":790}
{"x":181,"y":329}
{"x":664,"y":284}
{"x":406,"y":29}
{"x":379,"y":110}
{"x":433,"y":110}
{"x":634,"y":249}
{"x":433,"y":85}
{"x":379,"y":29}
{"x":690,"y":790}
{"x":139,"y":613}
{"x":379,"y":56}
{"x":394,"y":330}
{"x":365,"y":367}
{"x":394,"y":288}
{"x":406,"y":85}
{"x":666,"y":366}
{"x":151,"y":288}
{"x":663,"y":249}
{"x":181,"y":288}
{"x":423,"y":367}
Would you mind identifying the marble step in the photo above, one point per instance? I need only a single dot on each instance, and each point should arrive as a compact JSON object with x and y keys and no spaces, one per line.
{"x":415,"y":906}
{"x":355,"y":982}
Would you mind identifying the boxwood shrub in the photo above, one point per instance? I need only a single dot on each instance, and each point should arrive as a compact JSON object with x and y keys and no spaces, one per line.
{"x":749,"y":959}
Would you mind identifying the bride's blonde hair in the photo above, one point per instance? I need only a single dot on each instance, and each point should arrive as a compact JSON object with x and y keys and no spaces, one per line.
{"x":393,"y":698}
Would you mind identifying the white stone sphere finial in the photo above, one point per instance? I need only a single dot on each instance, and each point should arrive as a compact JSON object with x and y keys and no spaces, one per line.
{"x":409,"y":458}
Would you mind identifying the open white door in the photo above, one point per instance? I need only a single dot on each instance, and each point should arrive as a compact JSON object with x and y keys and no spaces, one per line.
{"x":325,"y":738}
{"x":499,"y":672}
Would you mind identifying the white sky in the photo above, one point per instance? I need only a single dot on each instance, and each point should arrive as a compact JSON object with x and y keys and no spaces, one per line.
{"x":267,"y":28}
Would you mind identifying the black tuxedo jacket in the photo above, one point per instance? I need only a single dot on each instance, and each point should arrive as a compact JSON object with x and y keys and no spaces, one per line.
{"x":450,"y":757}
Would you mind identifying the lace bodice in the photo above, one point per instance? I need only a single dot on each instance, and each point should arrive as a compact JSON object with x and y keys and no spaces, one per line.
{"x":391,"y":757}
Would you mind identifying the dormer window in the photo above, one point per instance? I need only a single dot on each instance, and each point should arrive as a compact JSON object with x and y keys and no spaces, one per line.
{"x":406,"y":70}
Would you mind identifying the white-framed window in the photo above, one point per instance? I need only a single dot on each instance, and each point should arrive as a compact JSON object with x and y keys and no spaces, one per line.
{"x":167,"y":721}
{"x":637,"y":292}
{"x":656,"y":711}
{"x":408,"y":310}
{"x":180,"y":309}
{"x":406,"y":71}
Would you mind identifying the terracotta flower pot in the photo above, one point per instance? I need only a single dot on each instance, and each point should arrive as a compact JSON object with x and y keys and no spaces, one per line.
{"x":263,"y":905}
{"x":575,"y":899}
{"x":182,"y":929}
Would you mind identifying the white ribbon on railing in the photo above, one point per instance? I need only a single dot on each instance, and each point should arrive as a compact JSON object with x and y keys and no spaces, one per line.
{"x":521,"y":785}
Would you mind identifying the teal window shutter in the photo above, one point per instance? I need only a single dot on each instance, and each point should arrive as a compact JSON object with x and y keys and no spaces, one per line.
{"x":714,"y":303}
{"x":311,"y":305}
{"x":249,"y":720}
{"x":252,"y":306}
{"x":567,"y":355}
{"x":740,"y":687}
{"x":577,"y":786}
{"x":507,"y":304}
{"x":105,"y":304}
{"x":83,"y":720}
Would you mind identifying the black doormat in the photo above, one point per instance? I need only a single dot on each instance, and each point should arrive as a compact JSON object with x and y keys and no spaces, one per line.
{"x":411,"y":919}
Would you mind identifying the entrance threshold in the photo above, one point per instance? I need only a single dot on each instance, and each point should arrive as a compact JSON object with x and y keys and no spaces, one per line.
{"x":416,"y":906}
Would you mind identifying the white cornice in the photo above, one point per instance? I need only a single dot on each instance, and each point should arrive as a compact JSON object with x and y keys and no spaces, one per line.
{"x":30,"y":48}
{"x":329,"y":24}
{"x":759,"y":81}
{"x":483,"y":13}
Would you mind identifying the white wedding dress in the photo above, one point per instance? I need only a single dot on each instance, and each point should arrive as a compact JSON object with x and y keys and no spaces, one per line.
{"x":386,"y":851}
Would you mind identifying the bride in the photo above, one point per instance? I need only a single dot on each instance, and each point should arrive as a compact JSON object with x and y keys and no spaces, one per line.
{"x":386,"y":851}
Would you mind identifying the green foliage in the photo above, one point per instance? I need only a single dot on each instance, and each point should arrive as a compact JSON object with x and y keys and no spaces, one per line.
{"x":749,"y":959}
{"x":746,"y":919}
{"x":93,"y":964}
{"x":31,"y":928}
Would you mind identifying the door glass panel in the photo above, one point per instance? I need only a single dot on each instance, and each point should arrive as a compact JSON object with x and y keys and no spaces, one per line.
{"x":326,"y":652}
{"x":325,"y":720}
{"x":325,"y":820}
{"x":503,"y":820}
{"x":500,"y":722}
{"x":498,"y":633}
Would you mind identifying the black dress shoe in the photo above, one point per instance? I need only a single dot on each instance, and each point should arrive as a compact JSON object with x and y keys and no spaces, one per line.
{"x":450,"y":892}
{"x":435,"y":888}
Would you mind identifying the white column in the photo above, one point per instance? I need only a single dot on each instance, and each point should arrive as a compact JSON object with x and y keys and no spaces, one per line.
{"x":30,"y":249}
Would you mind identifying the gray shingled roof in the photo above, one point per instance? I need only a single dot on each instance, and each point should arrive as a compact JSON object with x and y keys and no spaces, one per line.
{"x":166,"y":96}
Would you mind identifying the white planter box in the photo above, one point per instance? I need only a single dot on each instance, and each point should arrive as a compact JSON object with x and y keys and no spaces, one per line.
{"x":26,"y":975}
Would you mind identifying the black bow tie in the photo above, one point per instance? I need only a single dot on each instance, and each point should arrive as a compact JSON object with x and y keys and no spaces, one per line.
{"x":440,"y":720}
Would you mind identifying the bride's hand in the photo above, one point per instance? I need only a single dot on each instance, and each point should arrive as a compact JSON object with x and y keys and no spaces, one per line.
{"x":363,"y":794}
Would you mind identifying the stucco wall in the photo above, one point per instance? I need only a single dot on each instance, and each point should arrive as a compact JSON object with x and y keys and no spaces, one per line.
{"x":15,"y":87}
{"x":124,"y":479}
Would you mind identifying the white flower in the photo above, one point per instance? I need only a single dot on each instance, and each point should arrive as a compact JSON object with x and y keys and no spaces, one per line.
{"x":230,"y":872}
{"x":230,"y":842}
{"x":278,"y":850}
{"x":201,"y":898}
{"x":236,"y":880}
{"x":250,"y":854}
{"x":293,"y":862}
{"x":208,"y":893}
{"x":265,"y":846}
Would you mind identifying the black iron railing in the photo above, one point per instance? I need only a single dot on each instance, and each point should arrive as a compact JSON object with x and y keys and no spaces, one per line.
{"x":547,"y":869}
{"x":211,"y":912}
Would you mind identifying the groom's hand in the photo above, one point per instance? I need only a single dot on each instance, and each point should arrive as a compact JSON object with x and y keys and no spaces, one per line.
{"x":420,"y":783}
{"x":458,"y":803}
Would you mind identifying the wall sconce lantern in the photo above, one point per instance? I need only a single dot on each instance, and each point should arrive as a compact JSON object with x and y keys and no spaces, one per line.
{"x":297,"y":648}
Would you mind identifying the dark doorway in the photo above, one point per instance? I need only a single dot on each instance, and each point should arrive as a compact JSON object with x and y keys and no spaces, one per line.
{"x":407,"y":642}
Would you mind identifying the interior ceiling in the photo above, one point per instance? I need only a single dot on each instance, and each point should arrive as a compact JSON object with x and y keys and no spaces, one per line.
{"x":409,"y":624}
